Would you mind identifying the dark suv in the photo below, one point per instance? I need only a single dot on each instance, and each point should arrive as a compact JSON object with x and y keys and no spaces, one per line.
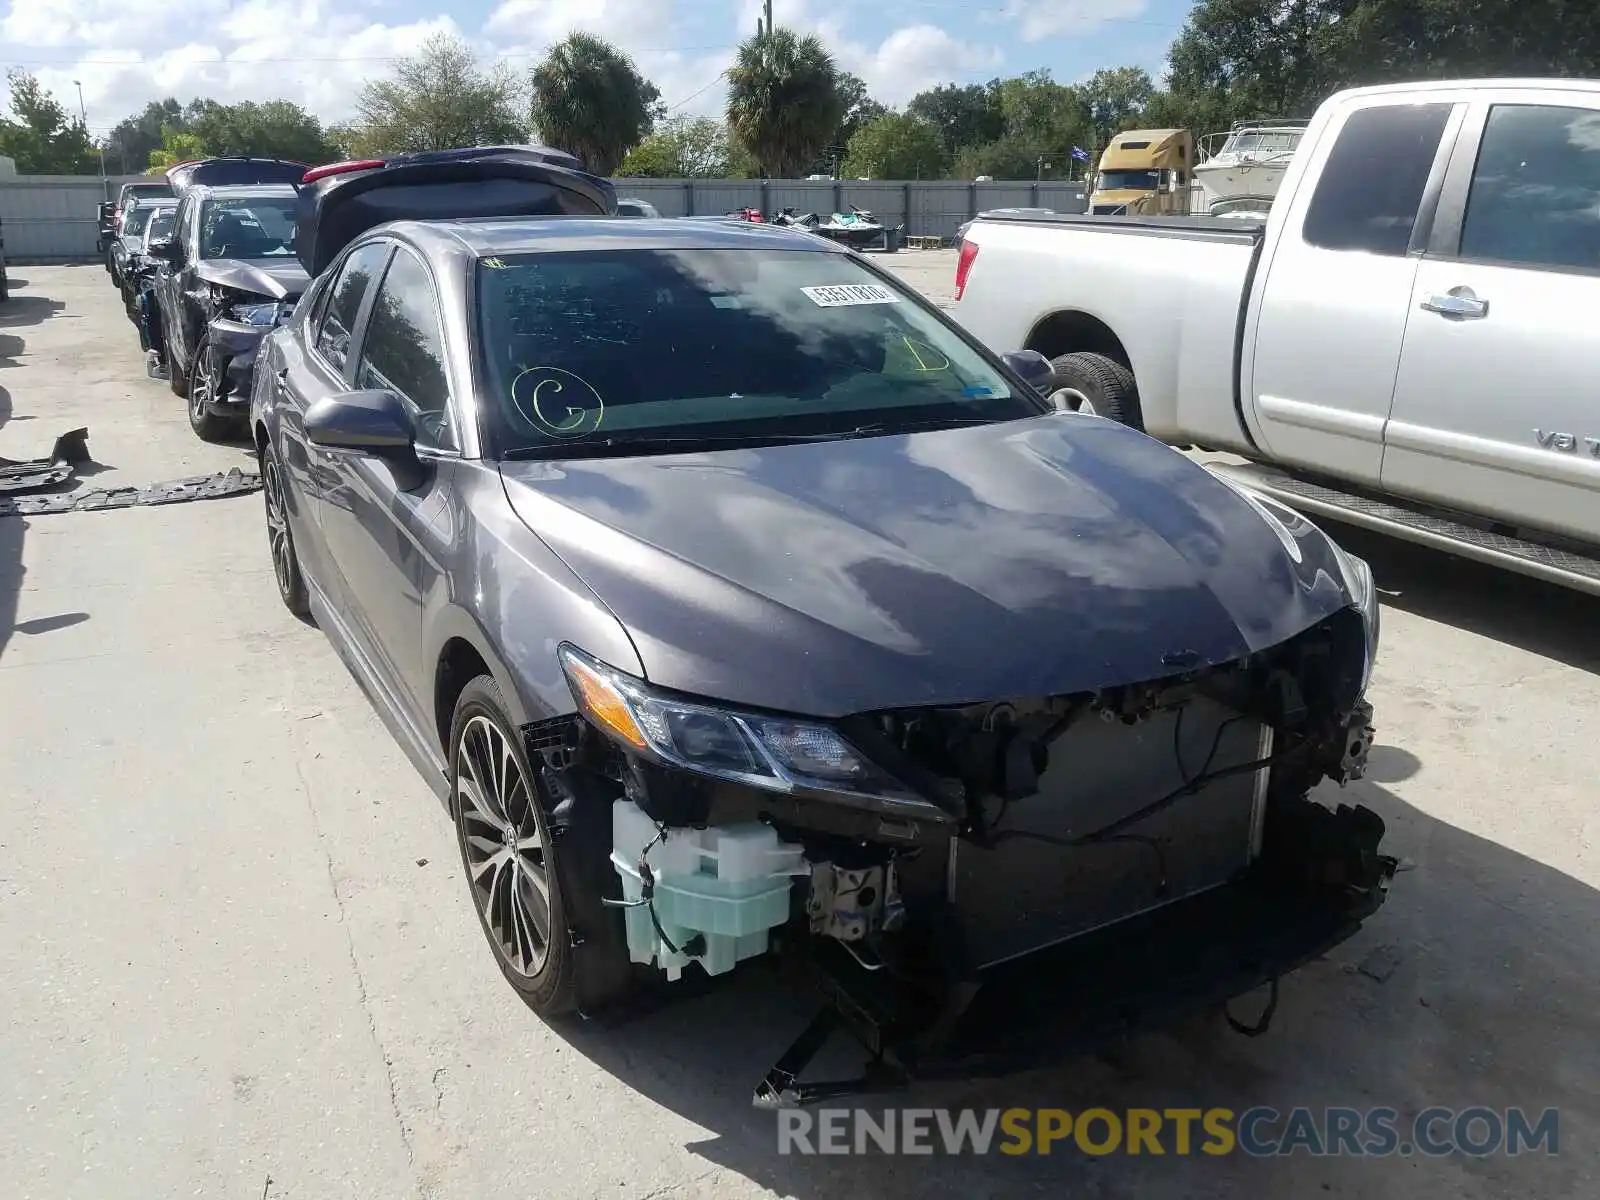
{"x":232,"y":273}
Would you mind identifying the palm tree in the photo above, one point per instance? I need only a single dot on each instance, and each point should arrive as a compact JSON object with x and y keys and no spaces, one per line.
{"x":784,"y":100}
{"x":590,"y":100}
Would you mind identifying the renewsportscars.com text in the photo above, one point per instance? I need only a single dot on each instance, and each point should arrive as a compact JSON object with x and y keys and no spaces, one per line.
{"x":1257,"y":1132}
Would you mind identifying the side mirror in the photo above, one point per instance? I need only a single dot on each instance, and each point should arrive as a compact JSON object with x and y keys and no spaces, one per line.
{"x":1033,"y":367}
{"x":166,"y":250}
{"x":373,"y":422}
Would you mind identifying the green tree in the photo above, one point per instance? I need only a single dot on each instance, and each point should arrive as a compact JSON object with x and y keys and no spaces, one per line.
{"x":859,"y":109}
{"x":131,"y":140}
{"x":1117,"y":99}
{"x":784,"y":103}
{"x":896,"y":146}
{"x":177,"y":145}
{"x":1006,"y":158}
{"x":965,"y":115}
{"x":273,"y":129}
{"x":687,"y":149}
{"x":590,"y":100}
{"x":439,"y":99}
{"x":42,"y":138}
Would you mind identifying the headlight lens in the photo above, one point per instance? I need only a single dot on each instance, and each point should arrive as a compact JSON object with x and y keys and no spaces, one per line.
{"x":255,"y":314}
{"x":779,"y":754}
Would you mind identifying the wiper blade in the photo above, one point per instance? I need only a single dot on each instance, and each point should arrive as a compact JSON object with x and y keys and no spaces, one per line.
{"x":598,"y":447}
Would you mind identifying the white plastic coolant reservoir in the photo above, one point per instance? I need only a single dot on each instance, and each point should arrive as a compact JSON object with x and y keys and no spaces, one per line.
{"x":728,"y":883}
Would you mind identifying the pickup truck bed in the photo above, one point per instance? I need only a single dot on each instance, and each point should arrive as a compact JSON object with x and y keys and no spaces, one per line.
{"x":1196,"y":283}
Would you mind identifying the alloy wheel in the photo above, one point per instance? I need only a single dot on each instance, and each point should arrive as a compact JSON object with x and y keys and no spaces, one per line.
{"x":1075,"y":400}
{"x":503,"y":834}
{"x":278,"y":526}
{"x":200,"y":384}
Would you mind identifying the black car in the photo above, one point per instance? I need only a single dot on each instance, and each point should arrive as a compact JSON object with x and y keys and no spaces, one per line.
{"x":129,"y":243}
{"x":231,"y":274}
{"x":114,"y":213}
{"x":739,"y":603}
{"x":145,"y":267}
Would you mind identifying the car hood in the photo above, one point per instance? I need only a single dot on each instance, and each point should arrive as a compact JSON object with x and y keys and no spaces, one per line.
{"x":274,"y":278}
{"x":1051,"y":555}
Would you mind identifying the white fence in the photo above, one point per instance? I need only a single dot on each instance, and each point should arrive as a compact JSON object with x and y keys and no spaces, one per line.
{"x":52,"y":218}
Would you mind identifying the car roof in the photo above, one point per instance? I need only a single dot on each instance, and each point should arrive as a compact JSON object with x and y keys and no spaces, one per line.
{"x":498,"y":235}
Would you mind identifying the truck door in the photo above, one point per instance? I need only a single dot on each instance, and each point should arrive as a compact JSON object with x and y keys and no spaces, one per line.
{"x":1497,"y":404}
{"x":1335,"y":293}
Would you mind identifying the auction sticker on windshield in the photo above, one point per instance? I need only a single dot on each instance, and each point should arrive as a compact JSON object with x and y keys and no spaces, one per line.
{"x":842,"y":295}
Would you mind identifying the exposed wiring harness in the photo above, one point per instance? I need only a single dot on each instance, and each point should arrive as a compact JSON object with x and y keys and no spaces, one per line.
{"x":695,"y":947}
{"x":1115,"y":831}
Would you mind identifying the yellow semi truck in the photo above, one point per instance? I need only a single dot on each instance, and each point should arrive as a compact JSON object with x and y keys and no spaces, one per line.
{"x":1144,"y":172}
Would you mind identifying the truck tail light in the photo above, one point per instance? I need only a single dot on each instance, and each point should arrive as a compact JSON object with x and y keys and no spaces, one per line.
{"x":969,"y":255}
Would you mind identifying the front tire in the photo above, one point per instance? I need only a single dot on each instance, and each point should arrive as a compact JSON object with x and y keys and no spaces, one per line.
{"x":1098,"y":385}
{"x":508,"y":852}
{"x":280,"y":538}
{"x":208,"y":426}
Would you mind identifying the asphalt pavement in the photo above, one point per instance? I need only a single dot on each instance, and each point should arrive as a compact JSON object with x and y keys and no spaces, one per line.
{"x":241,"y":960}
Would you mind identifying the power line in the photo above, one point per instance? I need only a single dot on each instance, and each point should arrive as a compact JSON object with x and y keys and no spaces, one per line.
{"x":334,"y":58}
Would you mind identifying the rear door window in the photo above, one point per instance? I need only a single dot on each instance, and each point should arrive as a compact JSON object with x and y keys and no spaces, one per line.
{"x":1371,"y":186}
{"x":345,"y":294}
{"x":1535,"y":193}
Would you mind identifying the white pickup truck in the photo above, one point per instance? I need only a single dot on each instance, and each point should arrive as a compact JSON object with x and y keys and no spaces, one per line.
{"x":1410,"y":341}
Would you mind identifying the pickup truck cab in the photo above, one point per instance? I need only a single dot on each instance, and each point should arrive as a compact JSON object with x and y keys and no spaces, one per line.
{"x":1405,"y":343}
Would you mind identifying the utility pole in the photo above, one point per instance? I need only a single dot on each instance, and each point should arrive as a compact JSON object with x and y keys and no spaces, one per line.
{"x":83,"y":114}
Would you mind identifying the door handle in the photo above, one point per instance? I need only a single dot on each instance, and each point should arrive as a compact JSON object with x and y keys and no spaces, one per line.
{"x":1458,"y":302}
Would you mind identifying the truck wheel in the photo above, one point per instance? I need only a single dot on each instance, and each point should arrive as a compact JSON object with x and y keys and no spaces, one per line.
{"x":1096,"y":384}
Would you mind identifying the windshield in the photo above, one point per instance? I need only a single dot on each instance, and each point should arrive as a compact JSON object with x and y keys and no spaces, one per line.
{"x":619,"y":344}
{"x":160,"y":226}
{"x":1262,"y":143}
{"x":248,"y":227}
{"x":138,"y":217}
{"x":1116,"y":181}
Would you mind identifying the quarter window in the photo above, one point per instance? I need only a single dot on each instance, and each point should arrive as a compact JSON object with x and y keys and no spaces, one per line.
{"x":403,"y":350}
{"x":1372,"y":183}
{"x":345,"y":294}
{"x":1535,"y":193}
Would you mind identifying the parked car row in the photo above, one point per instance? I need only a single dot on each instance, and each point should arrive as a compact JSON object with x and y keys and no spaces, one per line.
{"x":738,"y":603}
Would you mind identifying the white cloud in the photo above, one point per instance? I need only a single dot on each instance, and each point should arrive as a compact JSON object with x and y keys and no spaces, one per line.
{"x":319,"y":52}
{"x":906,"y":62}
{"x":1040,"y":19}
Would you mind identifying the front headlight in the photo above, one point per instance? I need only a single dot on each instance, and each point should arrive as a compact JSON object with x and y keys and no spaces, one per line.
{"x":255,"y":314}
{"x":778,"y":754}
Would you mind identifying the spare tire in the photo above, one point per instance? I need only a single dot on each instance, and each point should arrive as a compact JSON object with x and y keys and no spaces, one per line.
{"x":1096,"y":384}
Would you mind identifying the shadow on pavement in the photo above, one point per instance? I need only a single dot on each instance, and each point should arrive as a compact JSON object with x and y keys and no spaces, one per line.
{"x":1473,"y":986}
{"x":1538,"y":617}
{"x":28,"y":310}
{"x":11,"y":534}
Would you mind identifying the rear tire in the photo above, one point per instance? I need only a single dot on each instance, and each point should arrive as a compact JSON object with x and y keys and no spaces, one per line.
{"x":1097,"y":384}
{"x":177,"y":380}
{"x":280,"y":538}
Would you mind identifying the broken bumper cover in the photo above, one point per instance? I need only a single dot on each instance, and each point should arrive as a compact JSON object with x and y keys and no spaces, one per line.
{"x":236,"y":345}
{"x":1141,"y":973}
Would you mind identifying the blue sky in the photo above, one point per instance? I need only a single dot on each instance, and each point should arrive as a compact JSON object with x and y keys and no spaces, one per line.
{"x":318,"y":52}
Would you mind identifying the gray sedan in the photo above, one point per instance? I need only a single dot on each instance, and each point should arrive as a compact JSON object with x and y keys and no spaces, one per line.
{"x":733,"y":599}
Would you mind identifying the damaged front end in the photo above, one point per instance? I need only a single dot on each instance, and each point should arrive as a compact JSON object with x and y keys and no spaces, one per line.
{"x":237,"y":322}
{"x":981,"y":888}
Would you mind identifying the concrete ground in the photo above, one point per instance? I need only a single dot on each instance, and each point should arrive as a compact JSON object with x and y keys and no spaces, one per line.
{"x":241,"y":962}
